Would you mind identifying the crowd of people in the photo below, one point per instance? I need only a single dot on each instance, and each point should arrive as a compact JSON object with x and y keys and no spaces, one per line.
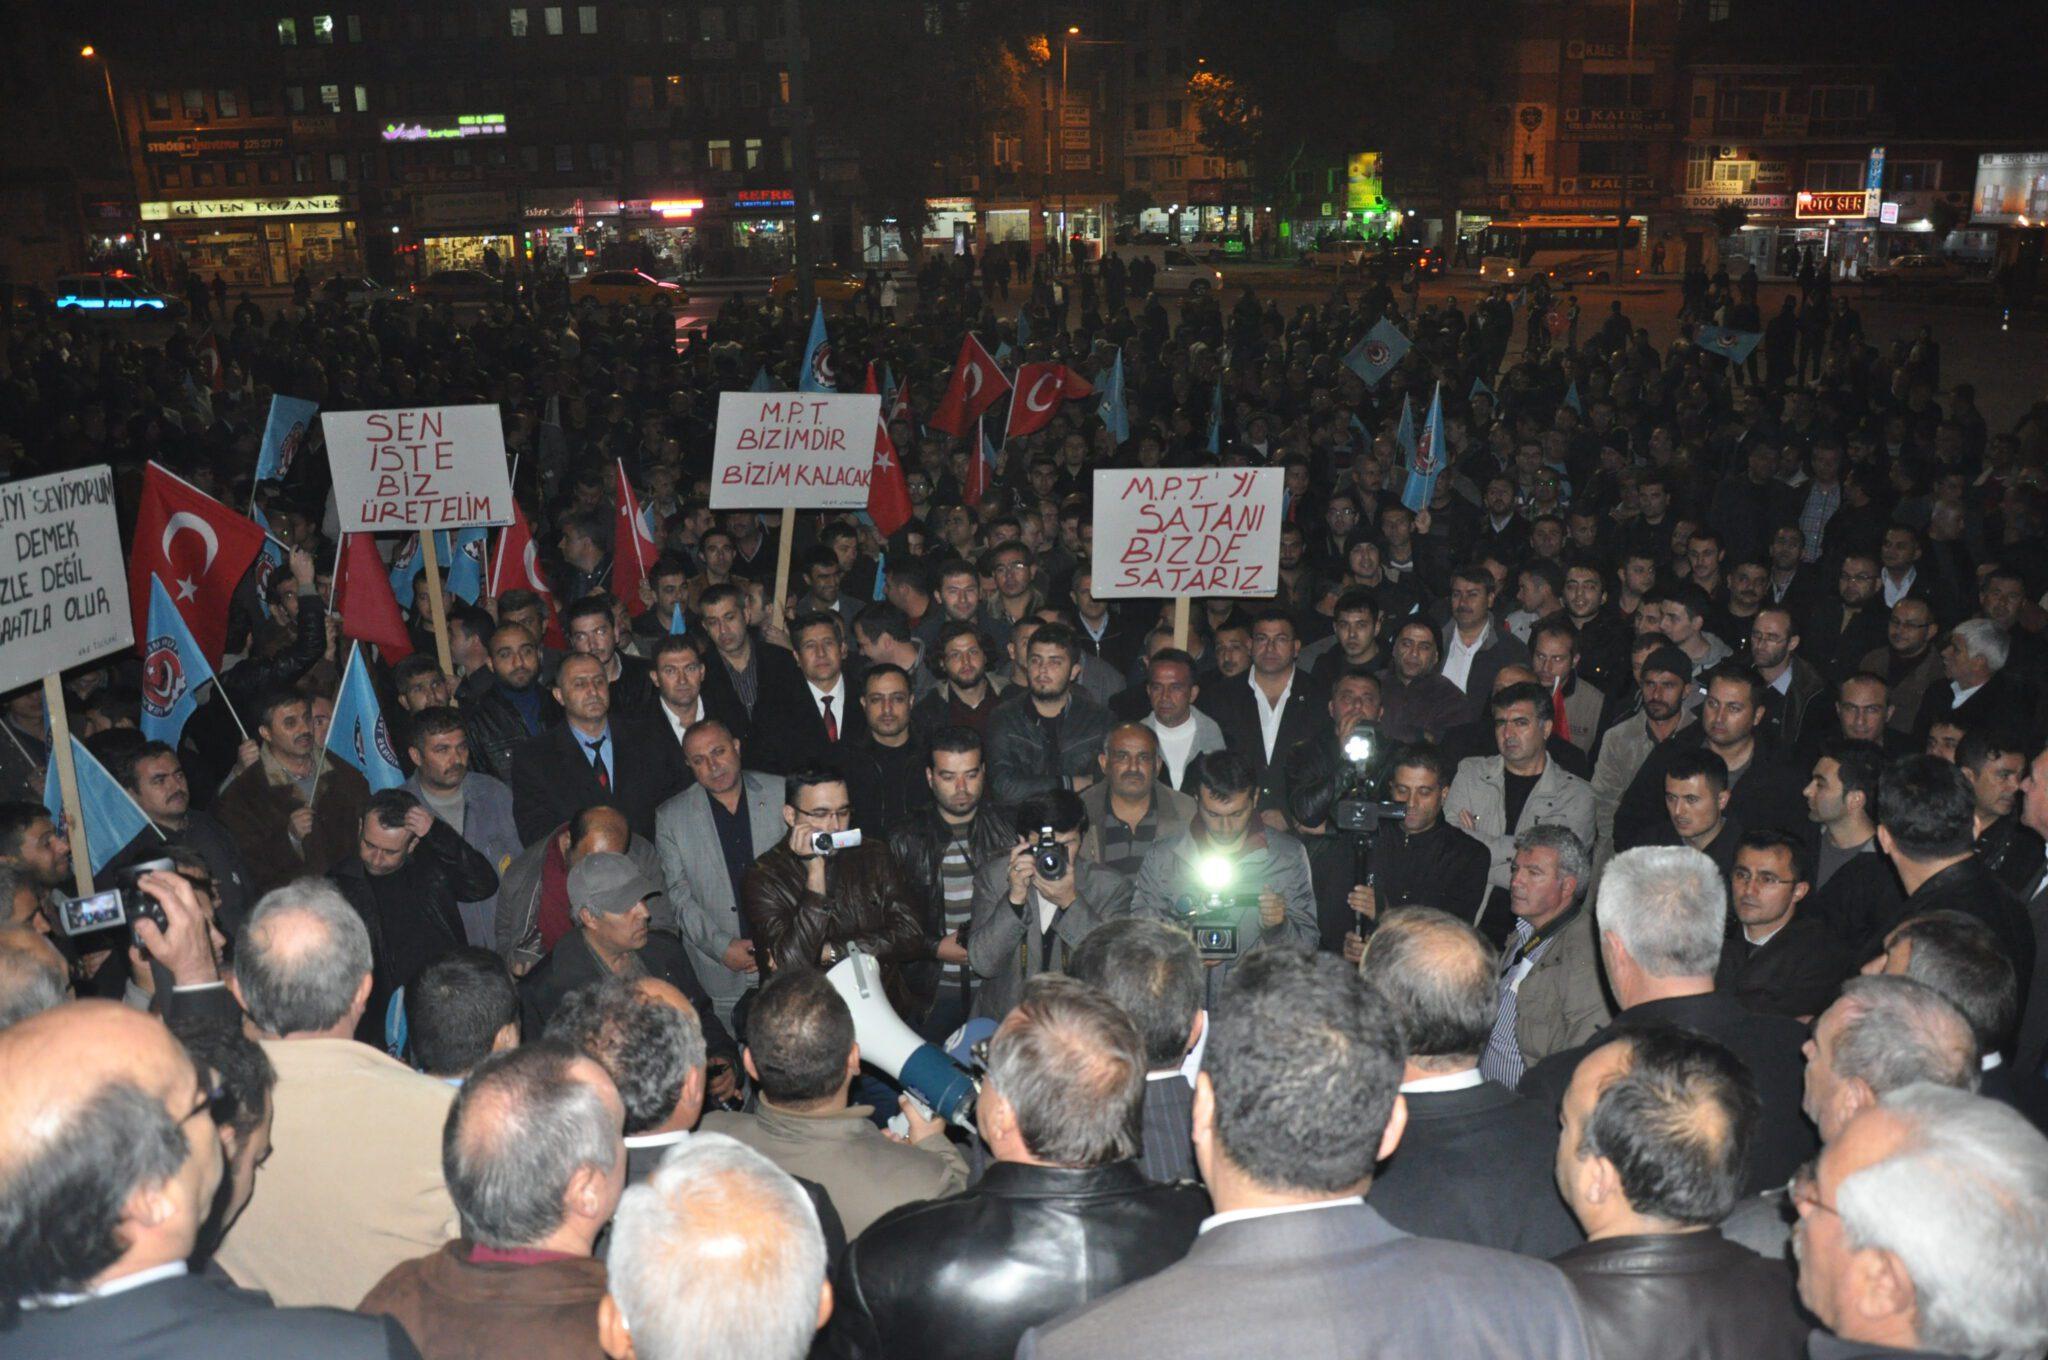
{"x":1599,"y":912}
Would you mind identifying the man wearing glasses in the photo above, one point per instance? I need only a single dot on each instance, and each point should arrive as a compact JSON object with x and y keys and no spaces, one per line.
{"x":1907,"y":662}
{"x":1852,"y":624}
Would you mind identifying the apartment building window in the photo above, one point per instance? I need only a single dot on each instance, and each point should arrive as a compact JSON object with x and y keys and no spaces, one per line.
{"x":565,"y":156}
{"x":237,"y":173}
{"x":675,"y":93}
{"x":362,"y":99}
{"x":270,"y":172}
{"x":681,"y":154}
{"x":202,"y":177}
{"x":646,"y":159}
{"x":552,"y":14}
{"x":1718,"y":10}
{"x":718,"y":154}
{"x":323,"y":29}
{"x":1909,"y":177}
{"x":640,"y":92}
{"x":195,"y":105}
{"x":159,"y":102}
{"x":753,"y":149}
{"x":287,"y":32}
{"x":750,"y":92}
{"x":302,"y":169}
{"x":782,"y":87}
{"x":295,"y":98}
{"x":934,"y":17}
{"x":711,"y":23}
{"x":586,"y":19}
{"x":517,"y":17}
{"x":367,"y":160}
{"x":330,"y":98}
{"x":1008,"y":150}
{"x":1608,"y":92}
{"x":600,"y":158}
{"x":1173,"y":114}
{"x":1706,"y":172}
{"x":1839,"y":177}
{"x":1737,"y":103}
{"x":1840,"y":103}
{"x":675,"y":24}
{"x":337,"y":168}
{"x":1141,"y":64}
{"x":227,"y":104}
{"x":717,"y":94}
{"x":1601,"y":158}
{"x":170,"y":176}
{"x":788,"y":159}
{"x":1141,"y":116}
{"x":354,"y":28}
{"x":529,"y":159}
{"x":1141,"y":169}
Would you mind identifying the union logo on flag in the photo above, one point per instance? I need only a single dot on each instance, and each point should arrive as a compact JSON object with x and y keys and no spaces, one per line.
{"x":1376,"y":352}
{"x":163,"y":677}
{"x":822,"y":371}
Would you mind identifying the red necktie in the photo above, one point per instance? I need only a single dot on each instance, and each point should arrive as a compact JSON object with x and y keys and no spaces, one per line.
{"x":831,"y":723}
{"x":1561,"y":724}
{"x":604,"y":778}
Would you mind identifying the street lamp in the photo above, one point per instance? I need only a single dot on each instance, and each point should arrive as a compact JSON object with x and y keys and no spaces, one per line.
{"x":91,"y":53}
{"x":1072,"y":37}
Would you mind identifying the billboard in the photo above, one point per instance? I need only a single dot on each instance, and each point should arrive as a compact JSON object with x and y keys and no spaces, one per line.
{"x":2011,"y":185}
{"x":1363,"y":190}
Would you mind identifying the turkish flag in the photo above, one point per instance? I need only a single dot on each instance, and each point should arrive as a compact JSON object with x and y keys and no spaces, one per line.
{"x":517,"y":567}
{"x":899,"y":409}
{"x":362,"y":597}
{"x":633,"y":549}
{"x":888,"y":492}
{"x":976,"y":385}
{"x":1040,"y":390}
{"x":199,"y":547}
{"x":211,"y":363}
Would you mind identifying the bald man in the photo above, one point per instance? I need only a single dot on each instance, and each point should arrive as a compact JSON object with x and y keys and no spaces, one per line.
{"x":109,"y":1161}
{"x":533,"y":901}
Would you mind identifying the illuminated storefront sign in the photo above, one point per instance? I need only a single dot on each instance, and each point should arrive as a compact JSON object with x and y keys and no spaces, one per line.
{"x":193,"y":209}
{"x":1815,"y":205}
{"x":458,"y":128}
{"x":763,"y":198}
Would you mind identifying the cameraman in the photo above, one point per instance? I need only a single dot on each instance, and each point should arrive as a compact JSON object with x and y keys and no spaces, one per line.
{"x":1420,"y":860}
{"x":1240,"y":883}
{"x":1027,"y":921}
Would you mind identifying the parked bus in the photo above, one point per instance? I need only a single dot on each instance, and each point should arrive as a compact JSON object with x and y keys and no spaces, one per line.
{"x":1567,"y":249}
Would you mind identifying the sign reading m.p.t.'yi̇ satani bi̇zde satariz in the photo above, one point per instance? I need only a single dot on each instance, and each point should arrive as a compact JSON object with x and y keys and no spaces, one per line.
{"x":1209,"y":532}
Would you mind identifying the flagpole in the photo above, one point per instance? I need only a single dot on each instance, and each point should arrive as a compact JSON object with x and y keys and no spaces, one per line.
{"x":334,"y":576}
{"x":59,"y":725}
{"x":436,"y":608}
{"x":320,"y":751}
{"x":221,"y":691}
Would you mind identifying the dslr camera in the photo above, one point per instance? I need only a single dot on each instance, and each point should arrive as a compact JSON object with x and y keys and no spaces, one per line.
{"x":1048,"y":855}
{"x":118,"y":907}
{"x":1215,"y":912}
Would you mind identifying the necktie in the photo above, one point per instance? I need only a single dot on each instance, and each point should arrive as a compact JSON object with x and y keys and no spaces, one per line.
{"x":1560,"y":724}
{"x":604,"y":778}
{"x":831,"y":723}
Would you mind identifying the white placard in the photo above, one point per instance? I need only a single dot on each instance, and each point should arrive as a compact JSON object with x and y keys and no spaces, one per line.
{"x":1210,"y":531}
{"x":418,"y":467}
{"x":809,"y":450}
{"x":63,"y":579}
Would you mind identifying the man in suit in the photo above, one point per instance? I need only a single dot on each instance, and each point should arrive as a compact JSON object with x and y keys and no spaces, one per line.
{"x":475,"y":806}
{"x":1152,"y":971}
{"x":1297,"y":1100}
{"x":1549,"y":996}
{"x":294,"y":811}
{"x":1474,"y":643}
{"x":1650,"y":1155}
{"x":1661,"y":913}
{"x":2031,"y":1047}
{"x":593,"y":756}
{"x":97,"y":1246}
{"x":680,"y":662}
{"x":353,"y":1185}
{"x":1925,"y":825}
{"x":1475,"y":1163}
{"x":738,"y":811}
{"x":1908,"y":663}
{"x":1495,"y":798}
{"x":1265,"y":713}
{"x":535,"y":1160}
{"x":825,"y":718}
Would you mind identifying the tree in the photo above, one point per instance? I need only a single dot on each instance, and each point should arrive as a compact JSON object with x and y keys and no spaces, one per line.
{"x":1728,"y":219}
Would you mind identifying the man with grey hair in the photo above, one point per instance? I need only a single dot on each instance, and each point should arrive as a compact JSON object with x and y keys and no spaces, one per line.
{"x":1924,"y":1231}
{"x":1661,"y":913}
{"x":33,"y":976}
{"x":535,"y":1158}
{"x":1978,"y":692}
{"x":1062,"y":1216}
{"x":718,"y":1255}
{"x":353,"y":1186}
{"x":1474,"y":1165}
{"x":1153,"y":973}
{"x":1881,"y":1034}
{"x":1549,"y":992}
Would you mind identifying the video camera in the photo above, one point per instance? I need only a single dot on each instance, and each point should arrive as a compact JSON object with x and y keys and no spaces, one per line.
{"x":117,"y":907}
{"x":1356,"y":809}
{"x":832,"y":842}
{"x":1215,"y":913}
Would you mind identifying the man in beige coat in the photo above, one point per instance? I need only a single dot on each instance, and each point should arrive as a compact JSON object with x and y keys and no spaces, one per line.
{"x":1479,"y":800}
{"x":801,"y":1055}
{"x":353,"y":1185}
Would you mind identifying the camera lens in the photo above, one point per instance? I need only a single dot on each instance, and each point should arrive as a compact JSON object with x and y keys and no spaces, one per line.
{"x":1052,"y":860}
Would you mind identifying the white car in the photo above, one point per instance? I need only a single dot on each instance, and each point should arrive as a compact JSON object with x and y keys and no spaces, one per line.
{"x":357,"y":290}
{"x":1175,"y":270}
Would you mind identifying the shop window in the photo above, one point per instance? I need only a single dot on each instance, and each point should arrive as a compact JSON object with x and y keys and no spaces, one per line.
{"x":552,"y":16}
{"x":237,"y":173}
{"x":753,"y":150}
{"x":362,"y":99}
{"x":171,"y":176}
{"x":159,"y":102}
{"x":517,"y":15}
{"x":718,"y":154}
{"x":586,"y":19}
{"x":711,"y":23}
{"x":287,"y":32}
{"x":330,"y":98}
{"x":354,"y":28}
{"x":337,"y":167}
{"x":302,"y":169}
{"x":226,"y":104}
{"x":195,"y":105}
{"x":323,"y":29}
{"x":295,"y":98}
{"x":640,"y":92}
{"x":646,"y":159}
{"x":565,"y":157}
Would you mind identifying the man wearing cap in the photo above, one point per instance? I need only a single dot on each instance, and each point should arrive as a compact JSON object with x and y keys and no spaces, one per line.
{"x":608,"y":903}
{"x":1664,"y":684}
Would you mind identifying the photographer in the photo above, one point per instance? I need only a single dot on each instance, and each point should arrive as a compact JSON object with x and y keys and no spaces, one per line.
{"x":1033,"y":907}
{"x":1233,"y":884}
{"x":1420,"y":860}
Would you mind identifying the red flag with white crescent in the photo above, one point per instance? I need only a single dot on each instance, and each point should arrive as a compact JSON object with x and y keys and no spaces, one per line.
{"x":199,"y":547}
{"x":888,"y":491}
{"x":516,"y":566}
{"x":633,"y":547}
{"x":977,"y":384}
{"x":1040,"y":390}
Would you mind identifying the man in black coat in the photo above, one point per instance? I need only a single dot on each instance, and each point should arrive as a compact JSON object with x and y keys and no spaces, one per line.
{"x":1273,"y":696}
{"x":512,"y":708}
{"x":99,"y":1278}
{"x":1662,"y":915}
{"x":1476,"y":1162}
{"x":823,"y":719}
{"x":409,"y":871}
{"x":1778,"y":959}
{"x":593,"y":756}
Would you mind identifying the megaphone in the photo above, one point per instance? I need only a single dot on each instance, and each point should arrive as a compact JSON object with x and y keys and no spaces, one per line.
{"x":945,"y":1088}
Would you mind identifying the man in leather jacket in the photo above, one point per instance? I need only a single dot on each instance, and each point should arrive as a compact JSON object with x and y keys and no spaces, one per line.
{"x":512,"y":708}
{"x":961,"y":823}
{"x":1062,"y":1216}
{"x":1655,"y":1138}
{"x":806,"y":909}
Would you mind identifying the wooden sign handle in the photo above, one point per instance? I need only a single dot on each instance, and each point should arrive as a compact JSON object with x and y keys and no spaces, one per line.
{"x":58,"y":724}
{"x":437,"y":607}
{"x":783,"y":543}
{"x":1181,"y":607}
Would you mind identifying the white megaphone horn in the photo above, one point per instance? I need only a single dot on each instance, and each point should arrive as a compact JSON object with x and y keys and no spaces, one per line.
{"x":945,"y":1088}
